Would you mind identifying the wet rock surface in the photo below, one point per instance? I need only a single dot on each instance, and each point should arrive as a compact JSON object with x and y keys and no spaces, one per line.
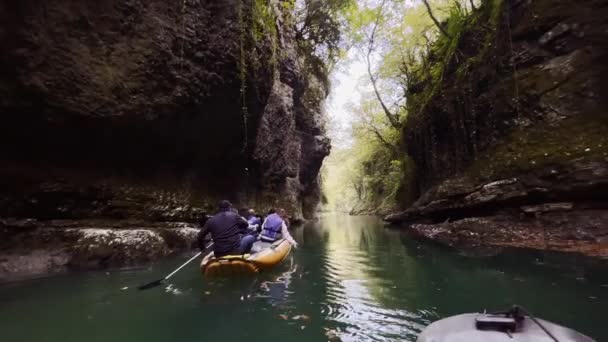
{"x":525,"y":96}
{"x":30,"y":247}
{"x":584,"y":232}
{"x":25,"y":264}
{"x":513,"y":142}
{"x":115,"y":247}
{"x":559,"y":209}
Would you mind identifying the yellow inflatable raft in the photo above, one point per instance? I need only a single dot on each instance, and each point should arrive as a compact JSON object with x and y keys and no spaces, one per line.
{"x":263,"y":256}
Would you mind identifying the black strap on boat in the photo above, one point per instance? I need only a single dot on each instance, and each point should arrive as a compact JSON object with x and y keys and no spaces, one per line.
{"x":276,"y":244}
{"x":519,"y":307}
{"x":506,"y":321}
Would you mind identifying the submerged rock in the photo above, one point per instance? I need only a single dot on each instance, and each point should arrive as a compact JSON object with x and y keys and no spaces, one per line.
{"x":180,"y":238}
{"x":30,"y":263}
{"x":49,"y":248}
{"x":96,"y":247}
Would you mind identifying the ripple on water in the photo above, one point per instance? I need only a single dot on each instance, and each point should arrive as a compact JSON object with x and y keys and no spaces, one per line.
{"x":358,"y":282}
{"x":354,"y":309}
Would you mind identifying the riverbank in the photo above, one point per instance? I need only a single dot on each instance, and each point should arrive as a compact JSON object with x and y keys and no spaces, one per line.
{"x":508,"y":231}
{"x":31,"y":247}
{"x":505,"y":133}
{"x":553,"y":208}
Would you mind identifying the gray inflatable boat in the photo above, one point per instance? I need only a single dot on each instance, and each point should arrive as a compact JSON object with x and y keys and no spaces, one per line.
{"x":510,"y":326}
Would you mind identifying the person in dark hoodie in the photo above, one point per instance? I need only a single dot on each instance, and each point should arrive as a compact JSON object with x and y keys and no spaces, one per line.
{"x":229,"y":232}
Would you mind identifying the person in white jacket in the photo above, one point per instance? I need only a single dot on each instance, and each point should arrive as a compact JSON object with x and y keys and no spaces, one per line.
{"x":275,"y":228}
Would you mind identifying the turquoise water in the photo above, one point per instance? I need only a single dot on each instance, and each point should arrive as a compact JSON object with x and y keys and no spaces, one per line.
{"x":350,"y":280}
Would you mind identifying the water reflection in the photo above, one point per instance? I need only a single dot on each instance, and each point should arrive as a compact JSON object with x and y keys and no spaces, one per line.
{"x":276,"y":290}
{"x":351,"y":280}
{"x":372,"y":283}
{"x":360,"y":300}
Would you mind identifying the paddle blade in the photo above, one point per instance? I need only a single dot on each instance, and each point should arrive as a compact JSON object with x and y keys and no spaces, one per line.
{"x":151,"y":285}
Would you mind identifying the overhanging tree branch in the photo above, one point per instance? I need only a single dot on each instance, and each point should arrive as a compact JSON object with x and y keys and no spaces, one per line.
{"x":392,"y":118}
{"x":428,"y":9}
{"x":382,"y":140}
{"x":367,"y":123}
{"x":358,"y":188}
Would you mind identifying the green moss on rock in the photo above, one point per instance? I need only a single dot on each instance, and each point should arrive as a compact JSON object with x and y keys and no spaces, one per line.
{"x":582,"y":137}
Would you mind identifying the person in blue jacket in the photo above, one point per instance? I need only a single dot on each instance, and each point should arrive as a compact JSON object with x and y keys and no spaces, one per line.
{"x":275,"y":228}
{"x":255,"y":223}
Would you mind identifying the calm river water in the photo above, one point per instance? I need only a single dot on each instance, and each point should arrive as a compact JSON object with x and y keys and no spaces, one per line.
{"x":351,"y":280}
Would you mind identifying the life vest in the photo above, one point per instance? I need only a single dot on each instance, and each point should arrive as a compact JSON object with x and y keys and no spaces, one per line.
{"x":253,"y":220}
{"x":272,"y":229}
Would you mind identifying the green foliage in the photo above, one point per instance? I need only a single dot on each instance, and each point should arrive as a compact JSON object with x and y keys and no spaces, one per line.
{"x":319,"y":31}
{"x":426,"y":73}
{"x":319,"y":26}
{"x":366,"y":177}
{"x":581,"y":137}
{"x":243,"y":75}
{"x":337,"y":174}
{"x":263,"y":20}
{"x":257,"y":28}
{"x":370,"y":175}
{"x":264,"y":28}
{"x":374,"y":173}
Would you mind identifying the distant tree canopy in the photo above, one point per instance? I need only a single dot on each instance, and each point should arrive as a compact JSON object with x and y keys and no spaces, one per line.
{"x":320,"y":24}
{"x":395,"y":39}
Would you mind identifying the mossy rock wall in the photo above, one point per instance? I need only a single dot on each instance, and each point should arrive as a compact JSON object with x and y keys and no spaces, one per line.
{"x":524,"y":87}
{"x":508,"y":130}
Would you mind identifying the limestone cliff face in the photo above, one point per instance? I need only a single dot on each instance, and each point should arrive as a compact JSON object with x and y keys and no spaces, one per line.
{"x":515,"y":134}
{"x":153,"y":110}
{"x":175,"y":103}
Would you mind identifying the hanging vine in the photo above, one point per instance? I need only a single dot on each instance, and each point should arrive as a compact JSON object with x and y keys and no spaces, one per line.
{"x":243,"y":75}
{"x":181,"y":58}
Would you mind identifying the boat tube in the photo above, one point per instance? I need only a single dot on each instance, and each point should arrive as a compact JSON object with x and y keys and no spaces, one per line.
{"x":263,"y":256}
{"x":515,"y":325}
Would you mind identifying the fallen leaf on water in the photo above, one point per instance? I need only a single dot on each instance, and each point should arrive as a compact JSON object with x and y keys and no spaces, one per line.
{"x":331,"y":334}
